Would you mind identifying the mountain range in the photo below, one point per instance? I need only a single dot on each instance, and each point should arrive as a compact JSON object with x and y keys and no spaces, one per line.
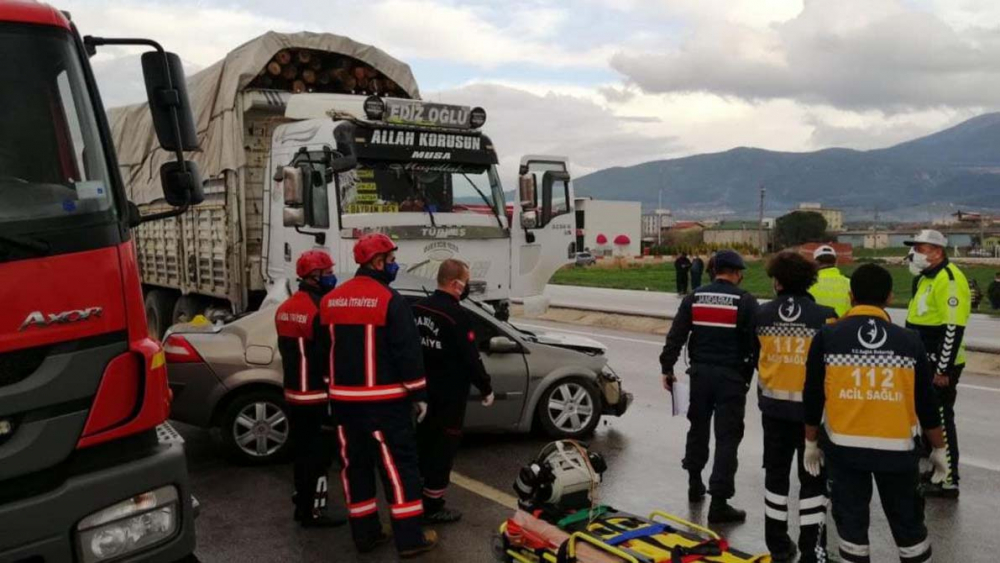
{"x":959,"y":166}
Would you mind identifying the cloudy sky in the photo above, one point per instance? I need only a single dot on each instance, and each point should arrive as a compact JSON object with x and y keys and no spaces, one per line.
{"x":617,"y":82}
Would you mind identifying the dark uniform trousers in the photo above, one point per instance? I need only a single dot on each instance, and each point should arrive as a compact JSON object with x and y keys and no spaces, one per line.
{"x":720,"y":392}
{"x":946,"y":398}
{"x":438,"y":439}
{"x":851,"y":494}
{"x":784,"y":441}
{"x":311,"y":455}
{"x":380,"y":435}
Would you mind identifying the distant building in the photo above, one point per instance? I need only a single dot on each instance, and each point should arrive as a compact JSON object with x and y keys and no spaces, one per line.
{"x":834,"y":217}
{"x":653,"y":225}
{"x":608,"y":220}
{"x":739,"y":233}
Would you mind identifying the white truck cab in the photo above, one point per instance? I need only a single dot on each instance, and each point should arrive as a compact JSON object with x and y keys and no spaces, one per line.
{"x":423,"y":174}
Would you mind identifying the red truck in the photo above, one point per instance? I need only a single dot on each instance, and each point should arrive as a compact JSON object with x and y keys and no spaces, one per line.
{"x":89,"y":469}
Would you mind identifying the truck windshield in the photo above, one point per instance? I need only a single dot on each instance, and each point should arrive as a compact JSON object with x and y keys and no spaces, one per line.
{"x":52,"y":162}
{"x":399,"y":188}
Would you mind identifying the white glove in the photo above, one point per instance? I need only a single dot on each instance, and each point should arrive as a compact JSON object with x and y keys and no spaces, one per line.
{"x":942,"y":469}
{"x":421,"y":408}
{"x":488,"y":400}
{"x":813,"y":458}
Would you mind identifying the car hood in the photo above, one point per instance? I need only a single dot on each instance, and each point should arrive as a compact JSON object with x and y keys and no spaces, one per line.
{"x":571,"y":342}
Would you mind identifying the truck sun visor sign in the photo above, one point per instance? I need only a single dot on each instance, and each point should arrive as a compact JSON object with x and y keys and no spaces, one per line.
{"x":403,"y":145}
{"x":430,"y":115}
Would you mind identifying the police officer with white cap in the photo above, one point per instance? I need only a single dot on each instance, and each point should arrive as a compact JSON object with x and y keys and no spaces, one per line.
{"x":939,"y":311}
{"x":832,"y":288}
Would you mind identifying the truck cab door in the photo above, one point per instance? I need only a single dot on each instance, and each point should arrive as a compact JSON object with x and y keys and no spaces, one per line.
{"x":543,"y":225}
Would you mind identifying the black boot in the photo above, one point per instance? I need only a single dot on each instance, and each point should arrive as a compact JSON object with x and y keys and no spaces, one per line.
{"x":696,"y":489}
{"x":721,"y":512}
{"x":786,"y":556}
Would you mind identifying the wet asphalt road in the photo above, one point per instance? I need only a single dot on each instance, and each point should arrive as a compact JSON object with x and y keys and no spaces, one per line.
{"x":246,"y":511}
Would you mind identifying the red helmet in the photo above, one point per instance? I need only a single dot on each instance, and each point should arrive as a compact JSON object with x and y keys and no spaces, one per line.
{"x":312,"y":260}
{"x":370,"y":246}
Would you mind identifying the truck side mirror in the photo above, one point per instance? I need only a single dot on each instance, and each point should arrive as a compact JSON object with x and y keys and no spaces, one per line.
{"x":527,"y":196}
{"x":548,"y":180}
{"x":343,"y":164}
{"x":166,"y":89}
{"x":181,"y":182}
{"x":294,"y":213}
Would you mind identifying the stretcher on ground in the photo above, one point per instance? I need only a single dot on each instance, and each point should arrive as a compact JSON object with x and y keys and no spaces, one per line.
{"x":606,"y":535}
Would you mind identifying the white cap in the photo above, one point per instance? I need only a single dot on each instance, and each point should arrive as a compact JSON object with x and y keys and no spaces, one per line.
{"x":928,"y":236}
{"x":825,"y":250}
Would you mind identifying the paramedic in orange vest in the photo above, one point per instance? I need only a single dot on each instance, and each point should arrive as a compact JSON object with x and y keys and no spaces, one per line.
{"x":872,"y":380}
{"x":785,"y":328}
{"x":303,"y":345}
{"x":376,"y":384}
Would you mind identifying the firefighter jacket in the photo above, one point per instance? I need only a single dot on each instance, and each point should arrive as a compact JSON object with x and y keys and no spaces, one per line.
{"x":375,"y":353}
{"x":785,"y":329}
{"x":303,"y":345}
{"x":716,"y":323}
{"x":832,"y":289}
{"x":939,"y":310}
{"x":451,"y":357}
{"x":872,"y":380}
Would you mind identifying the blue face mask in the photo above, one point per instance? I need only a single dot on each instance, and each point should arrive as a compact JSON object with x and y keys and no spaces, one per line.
{"x":328,"y":282}
{"x":391,"y":269}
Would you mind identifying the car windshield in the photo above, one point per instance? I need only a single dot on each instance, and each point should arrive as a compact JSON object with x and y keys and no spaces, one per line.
{"x":52,"y":162}
{"x":488,"y":311}
{"x":382,"y":187}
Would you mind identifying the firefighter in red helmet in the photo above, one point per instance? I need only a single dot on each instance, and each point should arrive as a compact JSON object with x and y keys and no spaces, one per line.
{"x":376,"y":382}
{"x":303,"y":345}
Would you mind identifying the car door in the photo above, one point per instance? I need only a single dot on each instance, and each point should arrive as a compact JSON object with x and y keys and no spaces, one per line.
{"x":508,"y":372}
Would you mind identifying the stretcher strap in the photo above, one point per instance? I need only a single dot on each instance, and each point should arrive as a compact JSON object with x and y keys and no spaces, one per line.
{"x":582,"y":515}
{"x":710,"y":548}
{"x":638,"y":533}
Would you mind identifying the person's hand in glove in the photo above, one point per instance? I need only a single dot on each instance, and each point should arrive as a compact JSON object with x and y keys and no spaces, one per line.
{"x":813,"y":458}
{"x":942,"y":469}
{"x":421,"y":409}
{"x":488,"y":400}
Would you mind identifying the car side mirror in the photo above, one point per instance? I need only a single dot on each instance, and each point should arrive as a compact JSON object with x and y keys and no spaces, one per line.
{"x":503,"y":345}
{"x":166,"y":89}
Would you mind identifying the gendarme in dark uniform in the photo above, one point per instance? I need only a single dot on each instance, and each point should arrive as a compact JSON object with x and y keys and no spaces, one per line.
{"x":716,"y":323}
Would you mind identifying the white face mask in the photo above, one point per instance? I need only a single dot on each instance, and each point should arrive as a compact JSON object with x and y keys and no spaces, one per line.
{"x":918,"y":262}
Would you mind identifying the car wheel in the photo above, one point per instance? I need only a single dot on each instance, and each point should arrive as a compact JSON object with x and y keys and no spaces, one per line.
{"x":255,"y":428}
{"x":570,"y":408}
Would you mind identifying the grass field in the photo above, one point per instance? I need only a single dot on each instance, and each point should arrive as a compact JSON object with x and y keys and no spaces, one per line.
{"x":661,"y":277}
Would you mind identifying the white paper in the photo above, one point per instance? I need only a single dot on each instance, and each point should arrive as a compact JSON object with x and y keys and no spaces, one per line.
{"x":681,"y":395}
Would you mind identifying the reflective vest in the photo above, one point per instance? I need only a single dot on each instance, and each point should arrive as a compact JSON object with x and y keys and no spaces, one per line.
{"x":939,"y":310}
{"x":832,"y":289}
{"x":785,"y":329}
{"x":869,"y":382}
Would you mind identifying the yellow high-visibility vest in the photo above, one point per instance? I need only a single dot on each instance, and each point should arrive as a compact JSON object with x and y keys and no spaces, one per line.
{"x":832,"y":289}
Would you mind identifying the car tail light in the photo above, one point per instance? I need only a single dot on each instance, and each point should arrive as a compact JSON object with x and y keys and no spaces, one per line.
{"x":180,"y":351}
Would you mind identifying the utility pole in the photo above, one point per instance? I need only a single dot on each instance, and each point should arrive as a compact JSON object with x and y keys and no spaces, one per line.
{"x":659,"y":215}
{"x":760,"y":222}
{"x":875,"y":244}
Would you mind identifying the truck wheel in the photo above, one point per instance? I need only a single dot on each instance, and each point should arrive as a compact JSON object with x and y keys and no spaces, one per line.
{"x":569,"y":408}
{"x":159,"y":312}
{"x":255,"y":427}
{"x":187,"y":308}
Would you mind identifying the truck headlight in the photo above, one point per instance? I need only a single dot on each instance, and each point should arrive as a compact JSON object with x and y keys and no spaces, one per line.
{"x":129,"y":526}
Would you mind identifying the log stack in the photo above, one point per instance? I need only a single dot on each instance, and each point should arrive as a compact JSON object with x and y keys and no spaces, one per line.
{"x":308,"y":70}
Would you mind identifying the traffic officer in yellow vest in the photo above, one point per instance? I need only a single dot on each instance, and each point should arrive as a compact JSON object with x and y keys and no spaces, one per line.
{"x":939,"y":310}
{"x":785,"y":329}
{"x":872,"y":380}
{"x":832,"y":288}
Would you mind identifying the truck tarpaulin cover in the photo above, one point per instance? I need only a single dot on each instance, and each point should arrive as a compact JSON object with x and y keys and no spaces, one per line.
{"x":213,"y":93}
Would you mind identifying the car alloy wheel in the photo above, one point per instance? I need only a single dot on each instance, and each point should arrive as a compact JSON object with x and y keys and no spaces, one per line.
{"x":260,"y":429}
{"x":570,"y":407}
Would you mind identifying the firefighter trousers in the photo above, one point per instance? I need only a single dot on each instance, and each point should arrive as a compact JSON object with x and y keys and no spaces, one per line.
{"x":721,"y":393}
{"x":851,"y":495}
{"x":784,"y":443}
{"x":438,"y":439}
{"x":380,"y":436}
{"x":310,"y":457}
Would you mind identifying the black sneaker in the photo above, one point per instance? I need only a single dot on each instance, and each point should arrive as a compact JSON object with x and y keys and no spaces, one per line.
{"x":721,"y":512}
{"x":442,"y":516}
{"x":939,"y":490}
{"x":786,"y":556}
{"x":430,"y":541}
{"x":696,"y":489}
{"x":369,"y":544}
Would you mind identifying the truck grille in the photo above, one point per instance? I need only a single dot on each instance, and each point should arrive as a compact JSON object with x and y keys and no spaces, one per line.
{"x":19,"y":364}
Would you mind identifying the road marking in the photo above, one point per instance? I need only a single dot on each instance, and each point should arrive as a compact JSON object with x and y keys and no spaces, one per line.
{"x":980,"y":463}
{"x":484,"y":490}
{"x":979,"y":387}
{"x":591,"y":334}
